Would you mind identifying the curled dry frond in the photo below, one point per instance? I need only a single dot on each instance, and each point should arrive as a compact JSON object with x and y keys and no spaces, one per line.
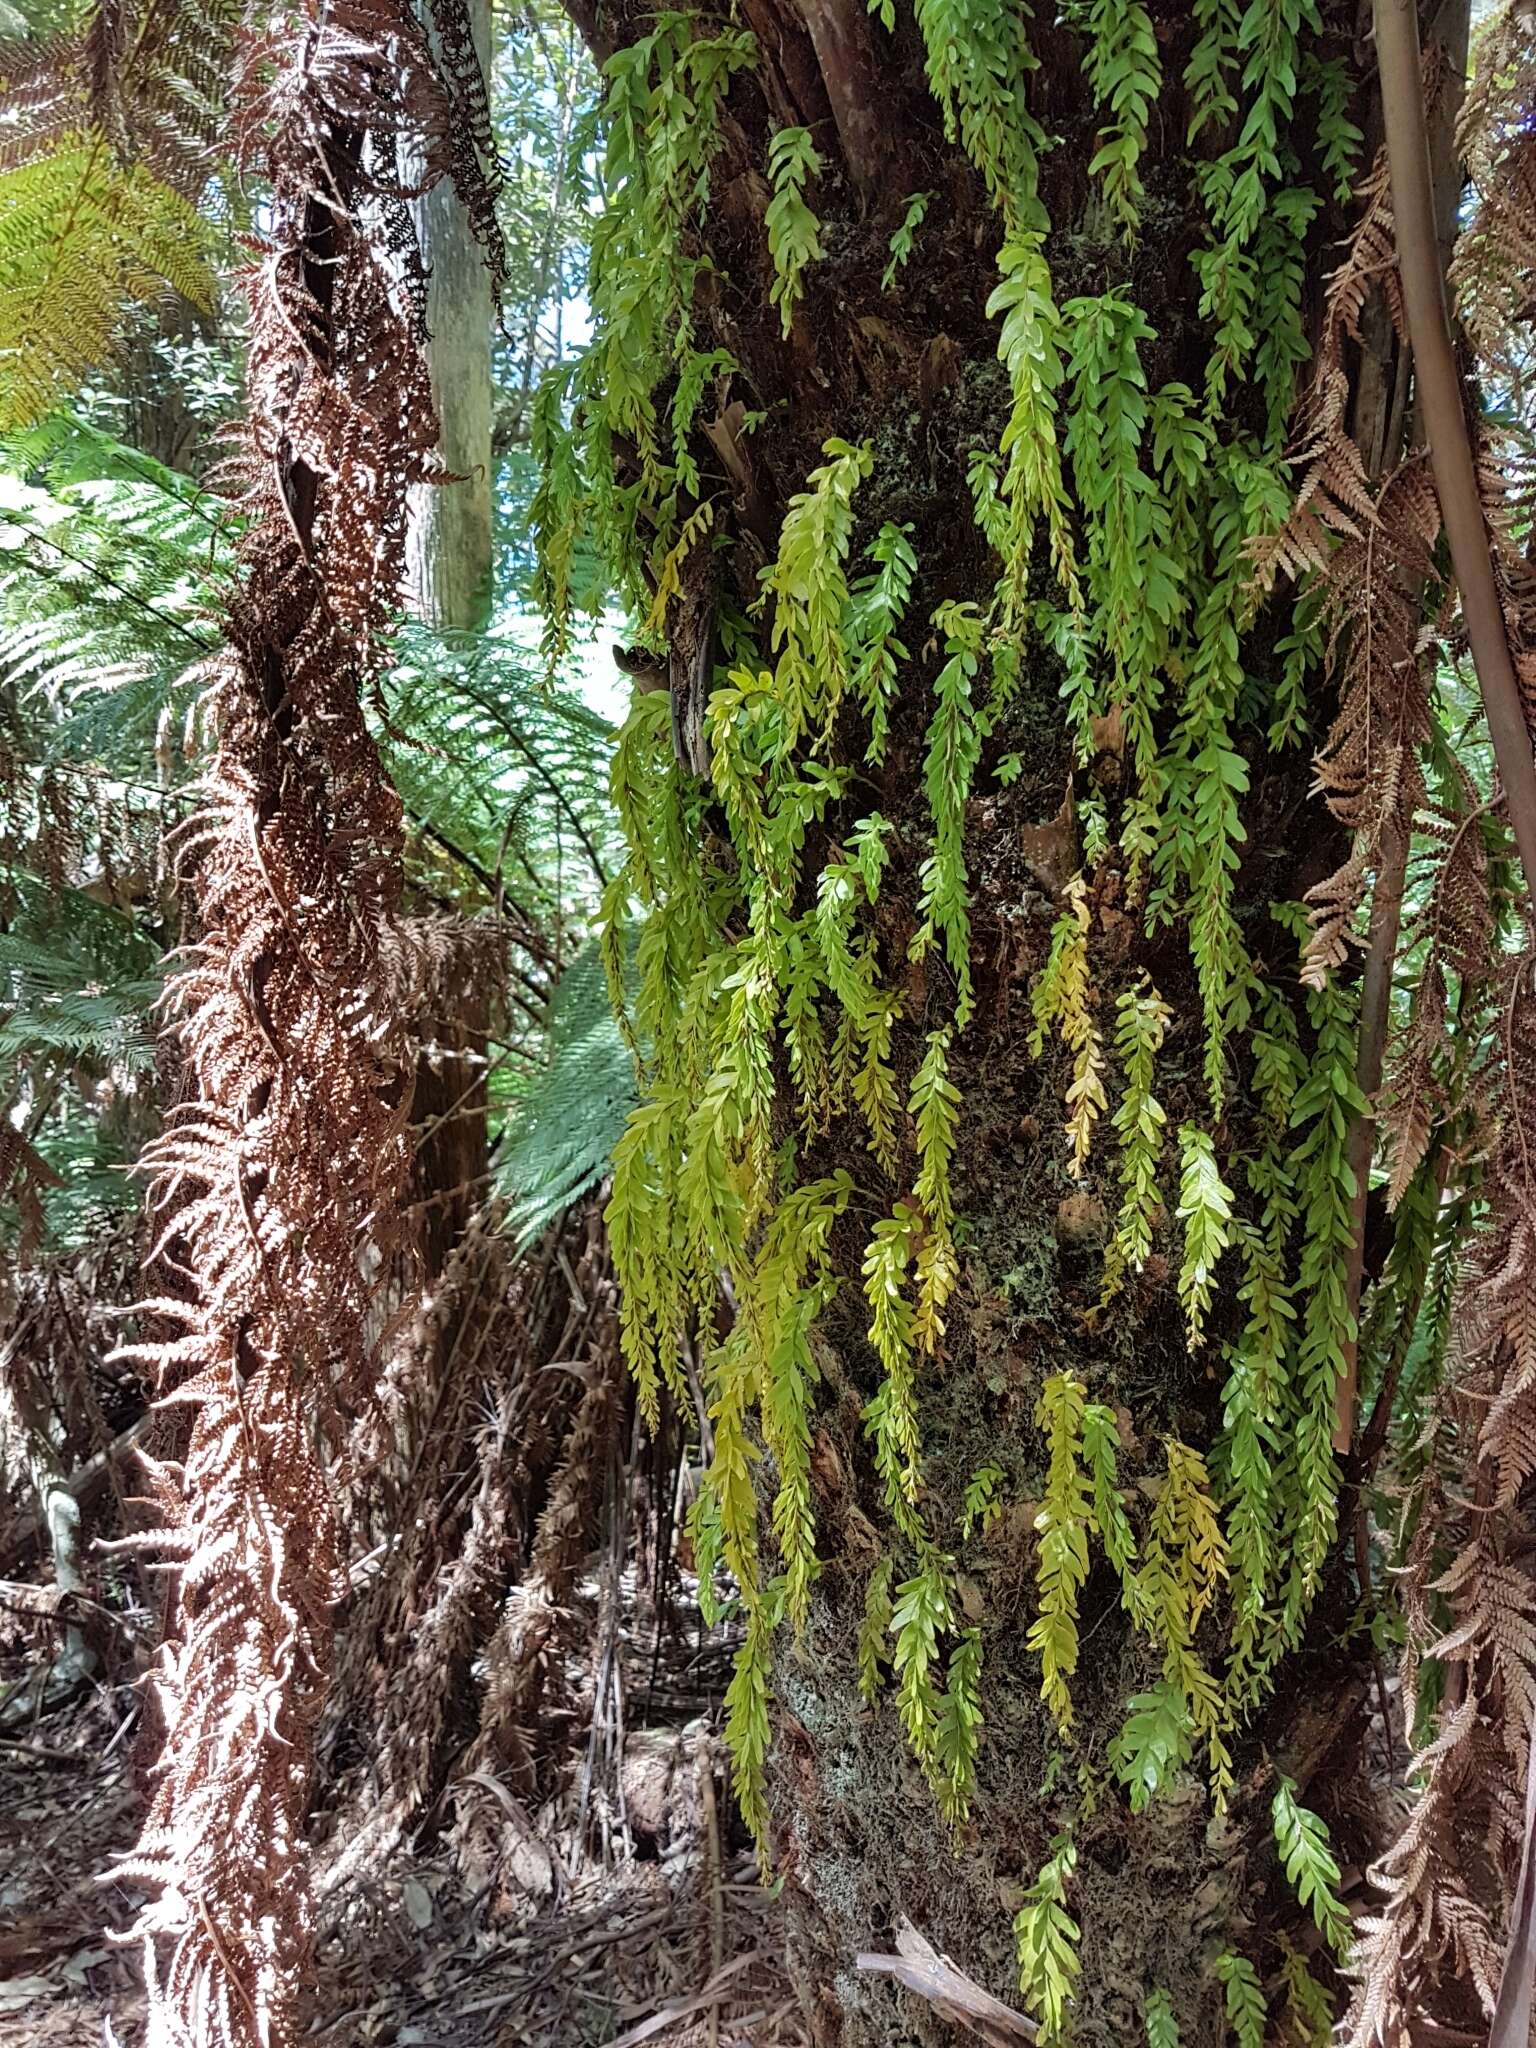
{"x":1495,"y":254}
{"x":282,"y":1164}
{"x":1476,"y":1615}
{"x":1366,"y":546}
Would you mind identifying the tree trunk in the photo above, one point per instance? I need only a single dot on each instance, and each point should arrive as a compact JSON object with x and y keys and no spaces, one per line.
{"x":160,"y":421}
{"x":911,"y":370}
{"x":449,"y":546}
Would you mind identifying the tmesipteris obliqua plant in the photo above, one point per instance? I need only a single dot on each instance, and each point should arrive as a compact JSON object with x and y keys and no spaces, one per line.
{"x":1130,"y":519}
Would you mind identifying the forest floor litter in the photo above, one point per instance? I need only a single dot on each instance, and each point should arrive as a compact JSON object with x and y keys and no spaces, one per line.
{"x":645,"y":1952}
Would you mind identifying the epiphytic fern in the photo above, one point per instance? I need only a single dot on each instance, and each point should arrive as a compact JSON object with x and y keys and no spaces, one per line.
{"x":1046,"y":1939}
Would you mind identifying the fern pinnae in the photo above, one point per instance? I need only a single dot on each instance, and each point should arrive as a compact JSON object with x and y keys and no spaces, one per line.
{"x":1140,"y":1123}
{"x":1302,"y":1840}
{"x":873,"y":1651}
{"x":808,"y":582}
{"x":794,"y":233}
{"x":1157,"y":2014}
{"x":1247,"y":2013}
{"x":1125,"y":73}
{"x":1325,"y":1109}
{"x":935,"y":1108}
{"x":1062,"y":1000}
{"x":1046,"y":1939}
{"x":1205,"y":1210}
{"x":954,"y":749}
{"x":893,"y":1335}
{"x":1064,"y":1521}
{"x":957,"y":1731}
{"x":921,"y":1610}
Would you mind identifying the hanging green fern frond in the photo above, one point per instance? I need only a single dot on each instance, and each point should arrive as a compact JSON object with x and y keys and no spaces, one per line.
{"x":1243,"y":1997}
{"x":1311,"y":1866}
{"x":1046,"y":1939}
{"x":794,"y":233}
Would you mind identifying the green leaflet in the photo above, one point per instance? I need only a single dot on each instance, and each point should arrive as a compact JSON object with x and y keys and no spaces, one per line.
{"x":794,"y":233}
{"x":1046,"y":1939}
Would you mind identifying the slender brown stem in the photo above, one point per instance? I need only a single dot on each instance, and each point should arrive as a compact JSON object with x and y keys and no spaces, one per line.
{"x":1438,"y":391}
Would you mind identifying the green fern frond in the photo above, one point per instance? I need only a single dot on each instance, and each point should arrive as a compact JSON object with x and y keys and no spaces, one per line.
{"x":1154,"y":1744}
{"x":1243,"y":1998}
{"x":1157,"y":2014}
{"x":903,"y":238}
{"x":876,"y":608}
{"x":922,"y":1610}
{"x":957,"y":1730}
{"x":873,"y":1651}
{"x":1309,"y":2006}
{"x":1064,"y":1521}
{"x":1046,"y":1941}
{"x":1205,"y":1210}
{"x":1126,"y":75}
{"x":954,"y":748}
{"x":1302,"y":1840}
{"x":561,"y":1140}
{"x":891,"y":1332}
{"x":980,"y":1505}
{"x":794,"y":233}
{"x":1140,"y":1122}
{"x":1061,"y":1001}
{"x":809,"y":584}
{"x":935,"y":1107}
{"x":81,"y":236}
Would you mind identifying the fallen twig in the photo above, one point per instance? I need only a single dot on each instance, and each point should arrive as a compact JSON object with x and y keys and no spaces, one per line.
{"x":919,"y":1968}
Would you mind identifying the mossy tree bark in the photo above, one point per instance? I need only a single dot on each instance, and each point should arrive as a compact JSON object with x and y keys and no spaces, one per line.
{"x":911,"y":368}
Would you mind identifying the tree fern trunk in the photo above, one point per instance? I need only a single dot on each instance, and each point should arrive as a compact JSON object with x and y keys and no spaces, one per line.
{"x":1083,"y":657}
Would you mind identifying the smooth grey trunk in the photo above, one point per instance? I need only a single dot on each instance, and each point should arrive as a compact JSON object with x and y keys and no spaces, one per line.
{"x":59,"y":1515}
{"x":448,"y":546}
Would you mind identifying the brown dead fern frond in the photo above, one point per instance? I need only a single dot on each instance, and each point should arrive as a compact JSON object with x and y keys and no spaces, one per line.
{"x":1453,"y":924}
{"x":434,"y":1663}
{"x":1449,"y":1881}
{"x":1493,"y":268}
{"x":1336,"y":494}
{"x":282,"y":1164}
{"x":150,"y":78}
{"x":519,"y":1656}
{"x":479,"y":1449}
{"x":1365,"y":547}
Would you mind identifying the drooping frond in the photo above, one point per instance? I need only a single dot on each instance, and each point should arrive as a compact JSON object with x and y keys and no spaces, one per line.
{"x":1476,"y":1616}
{"x":284,"y":1157}
{"x":1495,"y":255}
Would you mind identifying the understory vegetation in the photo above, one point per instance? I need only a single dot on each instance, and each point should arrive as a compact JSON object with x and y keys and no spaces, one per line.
{"x":969,"y":1148}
